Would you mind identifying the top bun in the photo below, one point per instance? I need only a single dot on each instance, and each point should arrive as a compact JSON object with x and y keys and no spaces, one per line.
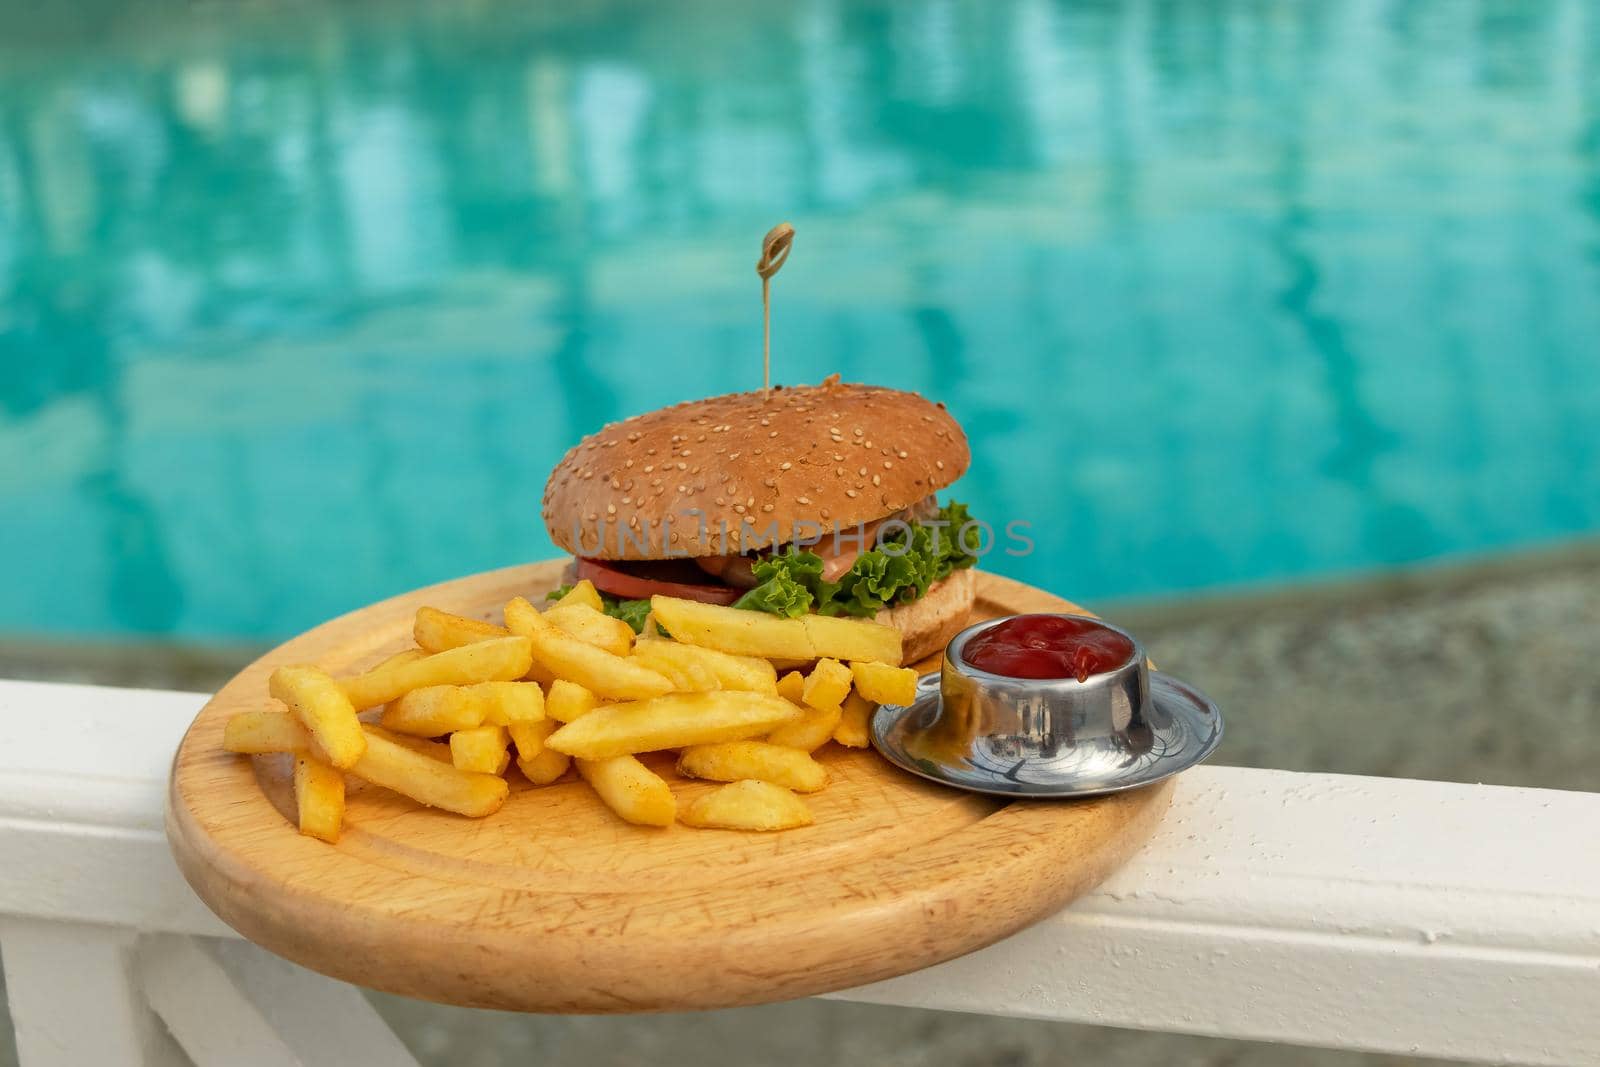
{"x":830,"y":455}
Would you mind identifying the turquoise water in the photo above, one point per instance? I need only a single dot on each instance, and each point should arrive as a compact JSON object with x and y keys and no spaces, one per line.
{"x":299,"y":303}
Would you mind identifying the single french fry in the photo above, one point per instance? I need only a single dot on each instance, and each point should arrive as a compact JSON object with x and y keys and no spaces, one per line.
{"x":735,"y":630}
{"x":523,"y":619}
{"x":734,"y":761}
{"x":429,"y":781}
{"x":882,"y":684}
{"x":509,"y":702}
{"x":255,"y":733}
{"x":440,"y":631}
{"x":855,"y":717}
{"x":726,"y":671}
{"x":498,"y":659}
{"x":435,"y":710}
{"x":748,"y":805}
{"x":481,"y":748}
{"x":319,"y":798}
{"x":845,"y":638}
{"x":583,"y":593}
{"x":827,"y":685}
{"x":592,"y":627}
{"x":602,"y":673}
{"x":672,"y":721}
{"x":792,"y":686}
{"x":569,"y":701}
{"x":630,"y":789}
{"x":323,"y":709}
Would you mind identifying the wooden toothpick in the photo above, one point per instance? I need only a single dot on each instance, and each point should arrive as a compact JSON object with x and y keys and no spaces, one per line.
{"x":774,"y":251}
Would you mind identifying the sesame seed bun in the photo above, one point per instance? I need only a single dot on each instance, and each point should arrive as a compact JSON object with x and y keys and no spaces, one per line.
{"x":831,"y":455}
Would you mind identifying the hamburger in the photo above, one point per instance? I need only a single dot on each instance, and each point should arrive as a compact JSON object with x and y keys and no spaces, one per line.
{"x":814,"y":498}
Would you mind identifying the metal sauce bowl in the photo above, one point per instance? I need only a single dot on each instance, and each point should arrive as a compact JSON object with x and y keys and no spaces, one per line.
{"x":1056,"y":737}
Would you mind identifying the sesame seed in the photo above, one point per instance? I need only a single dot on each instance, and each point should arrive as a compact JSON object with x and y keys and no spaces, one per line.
{"x":783,"y":466}
{"x":649,"y":467}
{"x":888,"y":464}
{"x":683,"y":488}
{"x":739,"y":508}
{"x":766,"y":507}
{"x":611,"y":509}
{"x":902,"y":454}
{"x":939,"y":463}
{"x":629,"y":463}
{"x":769,"y":482}
{"x":774,"y":433}
{"x":850,"y":493}
{"x":802,"y":500}
{"x":837,"y":458}
{"x":862,"y":472}
{"x":683,"y":466}
{"x":615,"y":484}
{"x":858,"y":431}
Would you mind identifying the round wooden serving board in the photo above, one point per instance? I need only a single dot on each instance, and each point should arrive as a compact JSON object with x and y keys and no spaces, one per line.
{"x":553,"y":904}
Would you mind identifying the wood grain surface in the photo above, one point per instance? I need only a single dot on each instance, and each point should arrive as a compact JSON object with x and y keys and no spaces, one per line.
{"x":555,"y":905}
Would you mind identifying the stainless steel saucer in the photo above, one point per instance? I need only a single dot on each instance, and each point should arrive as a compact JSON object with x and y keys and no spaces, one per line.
{"x":1059,"y":737}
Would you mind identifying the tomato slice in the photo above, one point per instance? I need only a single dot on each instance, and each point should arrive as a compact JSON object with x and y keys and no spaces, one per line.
{"x":645,"y":578}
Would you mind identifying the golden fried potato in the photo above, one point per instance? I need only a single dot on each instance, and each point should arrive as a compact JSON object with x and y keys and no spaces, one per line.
{"x":883,"y":684}
{"x":255,"y":733}
{"x":592,"y":627}
{"x":583,"y":593}
{"x":843,"y":638}
{"x":323,"y":709}
{"x":440,"y":631}
{"x":569,"y":701}
{"x":429,"y":781}
{"x":855,"y":721}
{"x":827,"y":685}
{"x":735,"y":630}
{"x":725,"y":670}
{"x":508,"y":702}
{"x":630,"y":789}
{"x":602,"y":673}
{"x":410,"y":655}
{"x":813,"y":729}
{"x":435,"y":710}
{"x":498,"y":659}
{"x":672,"y":721}
{"x":481,"y":748}
{"x":546,"y":767}
{"x":748,"y":805}
{"x":522,"y":618}
{"x":734,"y":761}
{"x":792,"y":686}
{"x":319,"y":797}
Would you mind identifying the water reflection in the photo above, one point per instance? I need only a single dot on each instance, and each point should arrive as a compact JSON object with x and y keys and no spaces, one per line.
{"x":299,"y":302}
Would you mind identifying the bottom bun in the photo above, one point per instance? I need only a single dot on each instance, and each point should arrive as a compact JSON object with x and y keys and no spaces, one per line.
{"x":927,"y":625}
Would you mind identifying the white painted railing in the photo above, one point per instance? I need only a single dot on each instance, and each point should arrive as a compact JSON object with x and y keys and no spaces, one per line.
{"x":1361,"y":913}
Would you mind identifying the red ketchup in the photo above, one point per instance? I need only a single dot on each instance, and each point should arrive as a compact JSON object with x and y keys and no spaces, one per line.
{"x":1048,"y":646}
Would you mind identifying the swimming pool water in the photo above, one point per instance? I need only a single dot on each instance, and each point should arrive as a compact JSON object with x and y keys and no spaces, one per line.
{"x":300,"y":302}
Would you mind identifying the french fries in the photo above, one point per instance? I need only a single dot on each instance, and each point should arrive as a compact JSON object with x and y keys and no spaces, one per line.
{"x":855,"y":718}
{"x":827,"y":685}
{"x":429,"y":781}
{"x":743,"y":633}
{"x":440,"y":631}
{"x":733,"y":761}
{"x":851,"y":639}
{"x":255,"y":733}
{"x":569,"y":701}
{"x":722,"y":670}
{"x":499,"y":659}
{"x":884,"y":684}
{"x":592,"y":627}
{"x":572,"y":687}
{"x":630,"y":789}
{"x":671,"y":722}
{"x":319,"y":798}
{"x":323,"y":709}
{"x":435,"y":710}
{"x":748,"y":805}
{"x":602,"y":673}
{"x":482,"y":749}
